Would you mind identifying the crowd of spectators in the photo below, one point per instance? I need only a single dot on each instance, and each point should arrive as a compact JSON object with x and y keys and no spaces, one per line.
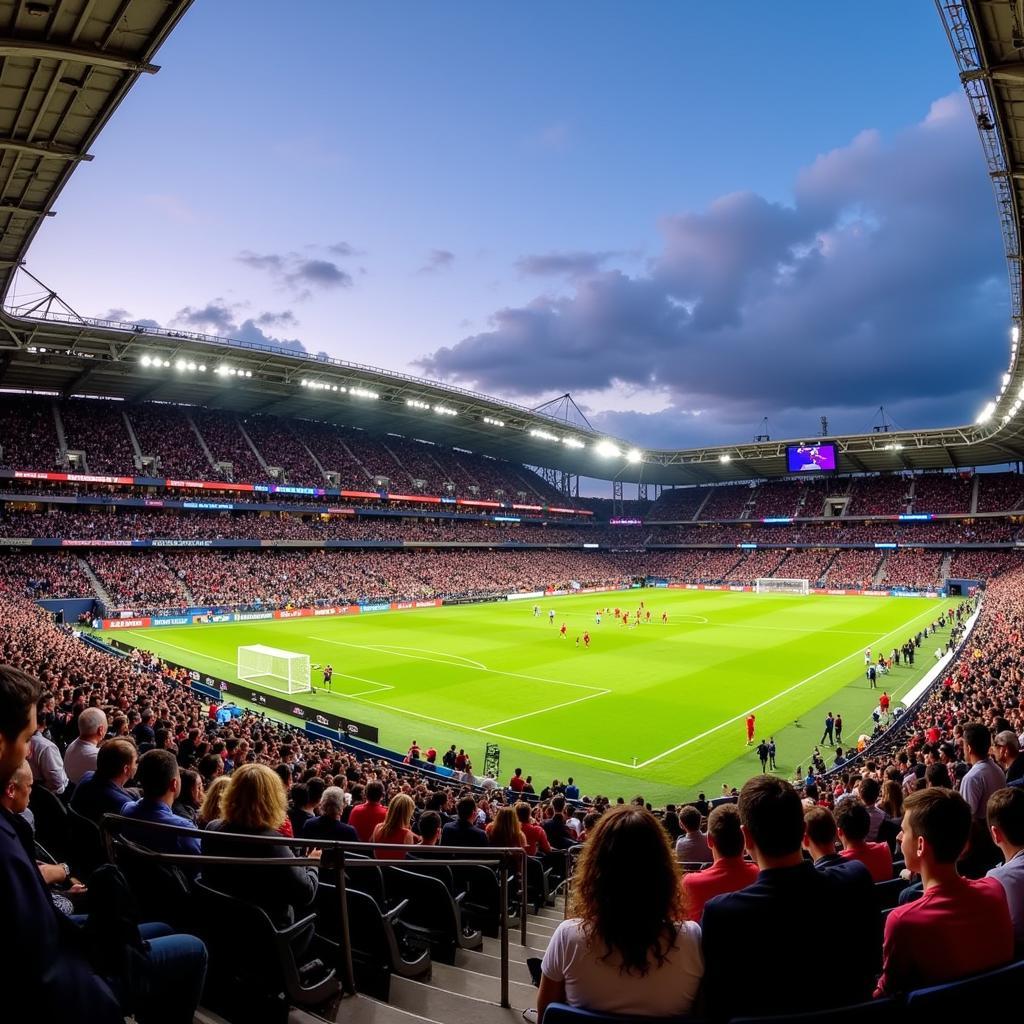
{"x":98,"y":429}
{"x":853,"y":568}
{"x":165,"y":434}
{"x":42,"y":575}
{"x":806,"y":564}
{"x":878,"y":495}
{"x":728,"y":501}
{"x":943,"y":492}
{"x":915,"y":569}
{"x":28,"y":434}
{"x":1000,"y":492}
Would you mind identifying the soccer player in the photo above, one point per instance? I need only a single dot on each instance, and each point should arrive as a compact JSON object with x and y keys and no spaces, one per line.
{"x":625,"y":618}
{"x":577,"y":641}
{"x":867,"y":657}
{"x":328,"y":676}
{"x":664,"y":616}
{"x":562,"y":632}
{"x":618,"y":613}
{"x":597,"y":617}
{"x":586,"y":639}
{"x":536,"y":610}
{"x":647,"y":615}
{"x":551,"y":616}
{"x":750,"y":728}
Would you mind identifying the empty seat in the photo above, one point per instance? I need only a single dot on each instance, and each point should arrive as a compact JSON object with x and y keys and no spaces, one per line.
{"x":876,"y":1011}
{"x":432,"y":914}
{"x":998,"y":988}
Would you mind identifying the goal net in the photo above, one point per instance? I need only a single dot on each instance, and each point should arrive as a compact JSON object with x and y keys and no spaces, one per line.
{"x":768,"y":585}
{"x":273,"y":668}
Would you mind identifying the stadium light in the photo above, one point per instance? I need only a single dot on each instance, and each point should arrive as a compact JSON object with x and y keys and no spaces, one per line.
{"x":415,"y":403}
{"x":444,"y":410}
{"x":167,"y":364}
{"x":986,"y":414}
{"x":494,"y":422}
{"x":1015,"y":334}
{"x":363,"y":393}
{"x":181,"y":365}
{"x":725,"y":458}
{"x":634,"y":455}
{"x":145,"y":360}
{"x":607,"y":449}
{"x":573,"y":442}
{"x":202,"y":367}
{"x":543,"y":435}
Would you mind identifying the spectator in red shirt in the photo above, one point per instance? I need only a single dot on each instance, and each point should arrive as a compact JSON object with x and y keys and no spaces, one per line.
{"x":517,"y":783}
{"x":535,"y":836}
{"x":853,"y":823}
{"x":959,"y":926}
{"x":728,"y":872}
{"x":365,"y":817}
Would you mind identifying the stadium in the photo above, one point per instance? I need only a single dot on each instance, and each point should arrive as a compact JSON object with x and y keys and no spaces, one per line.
{"x":269,"y":616}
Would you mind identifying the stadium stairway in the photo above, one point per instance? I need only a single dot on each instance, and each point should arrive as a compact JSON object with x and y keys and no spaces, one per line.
{"x":97,"y":586}
{"x":466,"y":993}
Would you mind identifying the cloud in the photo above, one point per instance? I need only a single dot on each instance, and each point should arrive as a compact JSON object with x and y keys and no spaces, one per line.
{"x":437,"y":260}
{"x":220,"y":317}
{"x":343,"y":249}
{"x":564,"y":264}
{"x":881,"y":283}
{"x":300,"y":274}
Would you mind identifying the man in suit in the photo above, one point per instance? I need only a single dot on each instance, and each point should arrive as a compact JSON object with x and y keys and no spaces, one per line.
{"x":463,"y":831}
{"x":328,"y":824}
{"x":787,"y":902}
{"x":102,"y":791}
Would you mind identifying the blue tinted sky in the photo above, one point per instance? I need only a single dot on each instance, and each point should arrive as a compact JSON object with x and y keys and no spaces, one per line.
{"x":630,"y":201}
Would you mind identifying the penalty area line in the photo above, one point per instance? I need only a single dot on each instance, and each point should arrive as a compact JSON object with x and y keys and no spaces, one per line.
{"x":544,"y":711}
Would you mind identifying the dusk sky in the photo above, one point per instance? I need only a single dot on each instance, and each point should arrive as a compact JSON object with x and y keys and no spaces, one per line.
{"x":691,"y":216}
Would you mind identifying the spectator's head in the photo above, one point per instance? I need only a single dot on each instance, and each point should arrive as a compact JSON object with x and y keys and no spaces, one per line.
{"x":466,"y":809}
{"x":19,"y":693}
{"x":299,"y":795}
{"x":159,"y":776}
{"x":977,"y":742}
{"x":1007,"y":747}
{"x":689,"y":818}
{"x":117,"y":760}
{"x":870,"y":790}
{"x":210,"y":766}
{"x":618,"y":915}
{"x":773,"y":819}
{"x":191,"y":788}
{"x":15,"y":795}
{"x":332,"y":803}
{"x":374,"y":792}
{"x":505,"y":830}
{"x":315,"y":788}
{"x":1005,"y":814}
{"x":399,"y":816}
{"x":725,"y":837}
{"x":213,"y":800}
{"x":430,"y":827}
{"x":523,"y":812}
{"x":92,"y":726}
{"x":558,"y":804}
{"x":255,"y":798}
{"x":937,"y":776}
{"x":936,"y":825}
{"x":820,"y":831}
{"x":853,"y":822}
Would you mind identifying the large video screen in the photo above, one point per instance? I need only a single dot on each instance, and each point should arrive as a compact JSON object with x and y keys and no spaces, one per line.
{"x":811,"y":458}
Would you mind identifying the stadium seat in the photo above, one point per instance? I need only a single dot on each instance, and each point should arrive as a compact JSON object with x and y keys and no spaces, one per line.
{"x":161,"y":890}
{"x":482,"y":903}
{"x":378,"y":949}
{"x":53,"y":829}
{"x":538,"y":893}
{"x":876,"y":1011}
{"x":87,"y":850}
{"x":272,"y":961}
{"x":888,"y":893}
{"x":998,"y":988}
{"x":432,"y":914}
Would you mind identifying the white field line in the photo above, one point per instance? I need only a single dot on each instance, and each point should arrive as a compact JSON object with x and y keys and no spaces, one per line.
{"x":543,"y":711}
{"x":452,"y":660}
{"x":676,"y":620}
{"x":781,"y":693}
{"x":475,"y":668}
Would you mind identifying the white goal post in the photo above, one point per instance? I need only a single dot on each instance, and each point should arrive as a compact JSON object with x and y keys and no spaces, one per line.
{"x":274,"y":668}
{"x":770,"y":585}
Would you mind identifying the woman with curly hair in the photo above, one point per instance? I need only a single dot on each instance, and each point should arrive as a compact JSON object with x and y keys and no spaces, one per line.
{"x":627,"y":948}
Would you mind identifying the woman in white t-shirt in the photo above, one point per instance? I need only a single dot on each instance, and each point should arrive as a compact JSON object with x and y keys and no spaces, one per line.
{"x":627,"y":948}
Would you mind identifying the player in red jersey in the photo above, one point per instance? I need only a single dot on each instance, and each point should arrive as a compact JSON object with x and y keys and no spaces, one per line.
{"x":618,"y":613}
{"x":561,"y":632}
{"x":647,"y":615}
{"x":586,"y":639}
{"x":750,"y":728}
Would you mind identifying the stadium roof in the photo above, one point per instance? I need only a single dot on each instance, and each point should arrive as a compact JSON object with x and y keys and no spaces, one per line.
{"x":67,"y":64}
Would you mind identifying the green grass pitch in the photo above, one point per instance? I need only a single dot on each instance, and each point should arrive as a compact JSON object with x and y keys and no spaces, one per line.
{"x":657,"y":709}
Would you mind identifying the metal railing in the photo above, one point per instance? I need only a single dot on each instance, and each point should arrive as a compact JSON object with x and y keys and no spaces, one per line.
{"x":334,"y":858}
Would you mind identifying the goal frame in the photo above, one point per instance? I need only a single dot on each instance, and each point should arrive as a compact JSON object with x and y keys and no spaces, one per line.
{"x":274,"y":669}
{"x":782,"y":585}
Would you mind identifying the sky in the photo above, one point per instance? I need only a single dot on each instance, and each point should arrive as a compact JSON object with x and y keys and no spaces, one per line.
{"x":690,"y":216}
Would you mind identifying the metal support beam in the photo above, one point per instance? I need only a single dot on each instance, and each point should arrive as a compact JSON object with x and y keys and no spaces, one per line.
{"x":73,"y":385}
{"x":617,"y":497}
{"x":45,"y":150}
{"x":12,"y":209}
{"x":34,"y":50}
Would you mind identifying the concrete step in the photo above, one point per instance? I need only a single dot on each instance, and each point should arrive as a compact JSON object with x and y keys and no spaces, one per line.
{"x":482,"y":986}
{"x":360,"y":1009}
{"x":440,"y":1005}
{"x":485,"y":963}
{"x":492,"y":947}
